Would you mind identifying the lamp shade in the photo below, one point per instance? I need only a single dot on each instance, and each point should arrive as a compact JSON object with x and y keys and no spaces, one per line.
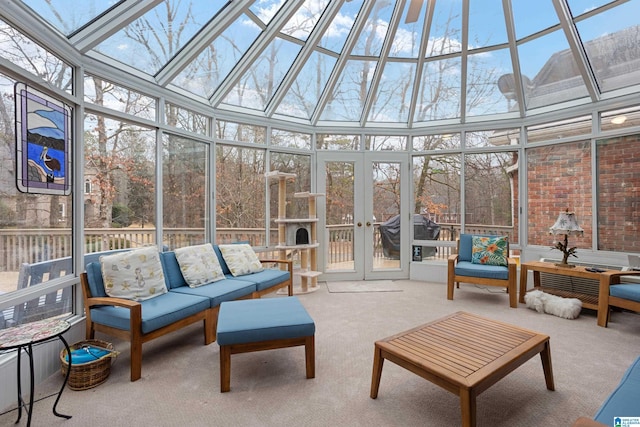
{"x":566,"y":224}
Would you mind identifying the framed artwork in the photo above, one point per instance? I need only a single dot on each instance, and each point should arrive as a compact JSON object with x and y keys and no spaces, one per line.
{"x":43,"y":143}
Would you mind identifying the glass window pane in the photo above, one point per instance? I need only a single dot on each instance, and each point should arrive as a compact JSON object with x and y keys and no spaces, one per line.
{"x":385,"y":142}
{"x":28,"y":55}
{"x":618,"y":181}
{"x":283,"y":138}
{"x":337,"y":142}
{"x":107,"y":94}
{"x":559,"y":129}
{"x":549,"y":71}
{"x":240,"y":132}
{"x":35,"y":232}
{"x":488,"y":194}
{"x":492,"y":138}
{"x":183,"y":118}
{"x":618,"y":119}
{"x":120,"y":164}
{"x":436,"y":142}
{"x":436,"y":182}
{"x":559,"y":178}
{"x":300,"y":165}
{"x":185,"y":181}
{"x":335,"y":36}
{"x":240,"y":195}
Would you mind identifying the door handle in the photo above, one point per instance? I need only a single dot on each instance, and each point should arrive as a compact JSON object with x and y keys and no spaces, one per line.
{"x":359,"y":224}
{"x":368,"y":223}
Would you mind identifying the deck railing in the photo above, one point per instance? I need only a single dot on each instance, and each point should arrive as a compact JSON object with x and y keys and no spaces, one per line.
{"x":19,"y":246}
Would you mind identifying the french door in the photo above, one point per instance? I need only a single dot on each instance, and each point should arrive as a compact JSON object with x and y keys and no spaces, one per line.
{"x":363,"y":218}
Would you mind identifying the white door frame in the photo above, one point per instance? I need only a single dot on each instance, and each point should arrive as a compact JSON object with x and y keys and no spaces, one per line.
{"x":363,"y":215}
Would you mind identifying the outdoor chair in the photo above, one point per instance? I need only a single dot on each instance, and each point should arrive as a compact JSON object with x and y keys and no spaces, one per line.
{"x":483,"y":260}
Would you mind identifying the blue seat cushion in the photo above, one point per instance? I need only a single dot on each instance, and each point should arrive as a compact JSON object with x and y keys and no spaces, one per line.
{"x":467,"y":268}
{"x":157,"y":312}
{"x":630,"y":291}
{"x":220,"y":291}
{"x":264,"y":279}
{"x":623,"y":402}
{"x":263,"y":320}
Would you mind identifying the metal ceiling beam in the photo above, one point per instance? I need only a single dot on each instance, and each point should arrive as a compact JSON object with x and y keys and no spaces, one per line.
{"x":110,"y":23}
{"x":382,"y":61}
{"x":577,"y":48}
{"x":201,"y":41}
{"x":285,"y":13}
{"x":424,"y":43}
{"x":352,"y":39}
{"x":314,"y":38}
{"x":515,"y":59}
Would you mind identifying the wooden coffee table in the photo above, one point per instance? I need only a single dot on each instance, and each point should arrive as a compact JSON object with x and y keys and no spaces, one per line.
{"x":464,"y":354}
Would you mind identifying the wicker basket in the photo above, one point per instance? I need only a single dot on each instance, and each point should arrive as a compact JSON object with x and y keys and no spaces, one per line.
{"x":91,"y":374}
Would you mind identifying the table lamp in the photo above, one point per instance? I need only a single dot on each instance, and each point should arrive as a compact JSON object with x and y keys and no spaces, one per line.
{"x":566,"y":224}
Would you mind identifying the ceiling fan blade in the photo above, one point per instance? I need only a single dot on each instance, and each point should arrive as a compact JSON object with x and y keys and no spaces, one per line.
{"x":414,"y":11}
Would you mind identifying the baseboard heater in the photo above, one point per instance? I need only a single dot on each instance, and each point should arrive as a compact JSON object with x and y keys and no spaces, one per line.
{"x":573,"y":284}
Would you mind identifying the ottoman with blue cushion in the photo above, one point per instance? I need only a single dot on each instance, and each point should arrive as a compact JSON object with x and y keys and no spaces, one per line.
{"x":263,"y":324}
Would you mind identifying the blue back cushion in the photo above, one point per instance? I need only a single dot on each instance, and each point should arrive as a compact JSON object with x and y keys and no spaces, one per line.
{"x":172,"y":274}
{"x":94,"y":277}
{"x":223,"y":264}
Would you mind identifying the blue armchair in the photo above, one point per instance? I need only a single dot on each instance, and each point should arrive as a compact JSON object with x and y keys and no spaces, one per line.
{"x":462,"y":267}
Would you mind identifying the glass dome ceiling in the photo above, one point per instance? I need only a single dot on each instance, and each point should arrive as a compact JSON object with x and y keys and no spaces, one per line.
{"x":404,"y":64}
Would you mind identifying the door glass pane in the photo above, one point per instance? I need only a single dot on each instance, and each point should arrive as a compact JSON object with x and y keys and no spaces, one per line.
{"x":339,"y":215}
{"x":386,"y":215}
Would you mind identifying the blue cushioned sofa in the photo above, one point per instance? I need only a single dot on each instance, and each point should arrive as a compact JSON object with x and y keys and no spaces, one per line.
{"x":140,"y":322}
{"x":622,"y":402}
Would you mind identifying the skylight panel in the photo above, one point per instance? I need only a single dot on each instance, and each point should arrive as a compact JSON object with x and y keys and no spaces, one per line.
{"x":445,"y":34}
{"x":68,"y":16}
{"x":612,"y":43}
{"x":336,"y":35}
{"x":259,"y":83}
{"x":205,"y":73}
{"x":153,"y":39}
{"x":265,"y":10}
{"x":347,"y":100}
{"x":305,"y":19}
{"x":531,"y":17}
{"x":302,"y":98}
{"x":393,"y":95}
{"x":406,"y":40}
{"x":486,"y":24}
{"x":483,"y":71}
{"x":549,"y":71}
{"x":375,"y":30}
{"x":439,"y":91}
{"x":579,"y":7}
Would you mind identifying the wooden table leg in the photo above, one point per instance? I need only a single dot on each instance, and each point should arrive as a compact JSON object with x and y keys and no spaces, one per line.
{"x":310,"y":356}
{"x":225,"y":368}
{"x":378,"y":361}
{"x":545,"y":355}
{"x":523,"y":283}
{"x":468,"y":407}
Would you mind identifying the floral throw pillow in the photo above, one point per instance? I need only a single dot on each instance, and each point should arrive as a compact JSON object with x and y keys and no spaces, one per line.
{"x":241,"y":259}
{"x":199,"y":265}
{"x":489,"y":250}
{"x":135,"y":275}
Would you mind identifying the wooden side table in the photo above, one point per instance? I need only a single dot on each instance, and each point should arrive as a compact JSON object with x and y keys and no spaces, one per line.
{"x":605,"y":278}
{"x":23,"y":337}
